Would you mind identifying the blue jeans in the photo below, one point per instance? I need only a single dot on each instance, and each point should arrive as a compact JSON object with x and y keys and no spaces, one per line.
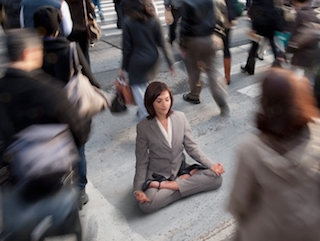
{"x":82,"y":168}
{"x":97,"y":3}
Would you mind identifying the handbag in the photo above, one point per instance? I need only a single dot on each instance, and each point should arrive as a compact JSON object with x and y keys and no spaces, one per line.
{"x":168,"y":16}
{"x":87,"y":99}
{"x":118,"y":105}
{"x":92,"y":27}
{"x":124,"y":90}
{"x":41,"y":151}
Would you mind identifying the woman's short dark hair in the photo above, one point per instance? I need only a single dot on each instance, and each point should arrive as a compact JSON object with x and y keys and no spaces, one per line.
{"x":287,"y":103}
{"x":140,"y":10}
{"x":155,"y":89}
{"x":47,"y":20}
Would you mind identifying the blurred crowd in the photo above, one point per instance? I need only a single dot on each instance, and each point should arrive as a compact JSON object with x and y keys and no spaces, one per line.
{"x":276,"y":191}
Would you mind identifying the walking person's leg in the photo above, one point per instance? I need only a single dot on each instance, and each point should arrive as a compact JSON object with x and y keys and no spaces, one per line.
{"x":138,"y":92}
{"x":217,"y":86}
{"x":82,"y":174}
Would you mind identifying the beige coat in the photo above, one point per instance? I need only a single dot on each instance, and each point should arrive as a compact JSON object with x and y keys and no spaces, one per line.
{"x":277,"y":197}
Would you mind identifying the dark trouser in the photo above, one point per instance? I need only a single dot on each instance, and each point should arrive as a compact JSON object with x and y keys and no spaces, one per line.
{"x":172,"y":28}
{"x":81,"y":38}
{"x":200,"y":52}
{"x":82,"y":168}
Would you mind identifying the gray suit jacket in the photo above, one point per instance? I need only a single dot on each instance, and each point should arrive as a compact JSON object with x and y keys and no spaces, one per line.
{"x":153,"y":154}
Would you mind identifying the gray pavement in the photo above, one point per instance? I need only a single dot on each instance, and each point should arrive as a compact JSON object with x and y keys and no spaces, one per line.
{"x":112,"y":212}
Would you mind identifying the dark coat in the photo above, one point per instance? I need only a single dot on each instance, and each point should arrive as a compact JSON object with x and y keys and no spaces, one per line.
{"x":56,"y":61}
{"x":25,"y":101}
{"x":197,"y":18}
{"x":140,"y":42}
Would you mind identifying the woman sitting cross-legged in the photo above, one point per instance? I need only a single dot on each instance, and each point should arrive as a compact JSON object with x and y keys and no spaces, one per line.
{"x":162,"y":175}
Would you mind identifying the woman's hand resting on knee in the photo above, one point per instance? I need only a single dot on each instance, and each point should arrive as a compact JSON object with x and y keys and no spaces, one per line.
{"x":217,"y":168}
{"x":141,"y":197}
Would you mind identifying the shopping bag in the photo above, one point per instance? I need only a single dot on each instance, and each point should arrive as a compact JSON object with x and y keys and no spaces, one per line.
{"x":124,"y":90}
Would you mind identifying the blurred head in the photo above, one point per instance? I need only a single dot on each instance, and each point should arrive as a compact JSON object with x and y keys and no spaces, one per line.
{"x":158,"y":100}
{"x":140,"y":10}
{"x":287,"y":103}
{"x":25,"y":45}
{"x":47,"y":20}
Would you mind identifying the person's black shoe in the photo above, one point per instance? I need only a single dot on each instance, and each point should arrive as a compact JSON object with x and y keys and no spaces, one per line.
{"x":247,"y":71}
{"x":187,"y":98}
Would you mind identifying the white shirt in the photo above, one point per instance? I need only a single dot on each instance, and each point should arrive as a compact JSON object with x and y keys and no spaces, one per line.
{"x":167,"y":135}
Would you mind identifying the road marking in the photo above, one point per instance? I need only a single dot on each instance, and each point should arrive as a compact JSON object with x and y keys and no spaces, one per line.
{"x":252,"y":91}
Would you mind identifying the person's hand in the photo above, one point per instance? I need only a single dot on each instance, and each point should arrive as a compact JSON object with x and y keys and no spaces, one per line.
{"x":121,"y":73}
{"x":172,"y":72}
{"x":217,"y":168}
{"x":141,"y":197}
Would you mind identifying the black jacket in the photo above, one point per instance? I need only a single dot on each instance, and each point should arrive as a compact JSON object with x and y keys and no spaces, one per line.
{"x":56,"y":60}
{"x":197,"y":18}
{"x":25,"y":101}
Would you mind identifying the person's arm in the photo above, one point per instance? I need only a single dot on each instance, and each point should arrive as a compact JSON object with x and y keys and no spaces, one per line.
{"x":163,"y":44}
{"x":126,"y":46}
{"x":142,"y":158}
{"x":21,"y":18}
{"x":194,"y":151}
{"x":246,"y":190}
{"x":66,"y":22}
{"x":86,"y":68}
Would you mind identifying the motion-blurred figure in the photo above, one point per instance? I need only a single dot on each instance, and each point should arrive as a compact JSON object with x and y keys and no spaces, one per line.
{"x":276,"y":188}
{"x":142,"y":35}
{"x":98,"y":4}
{"x":10,"y":13}
{"x":28,"y":7}
{"x":199,"y":51}
{"x":265,"y":20}
{"x":56,"y":62}
{"x":304,"y":43}
{"x":174,"y":7}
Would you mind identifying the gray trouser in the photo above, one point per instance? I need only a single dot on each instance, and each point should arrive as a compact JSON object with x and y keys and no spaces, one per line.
{"x":201,"y":181}
{"x":201,"y":54}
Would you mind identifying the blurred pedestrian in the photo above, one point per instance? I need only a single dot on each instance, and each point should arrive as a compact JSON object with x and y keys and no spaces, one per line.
{"x":120,"y":10}
{"x":141,"y":37}
{"x":56,"y":62}
{"x":174,"y":7}
{"x":304,"y":41}
{"x":276,"y":188}
{"x":97,"y":4}
{"x":199,"y":51}
{"x":28,"y":7}
{"x":265,"y":19}
{"x":10,"y":14}
{"x":162,"y":174}
{"x":26,"y":101}
{"x":79,"y":31}
{"x":230,"y":17}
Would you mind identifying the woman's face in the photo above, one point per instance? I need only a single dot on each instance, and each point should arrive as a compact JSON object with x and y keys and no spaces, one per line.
{"x":162,"y":103}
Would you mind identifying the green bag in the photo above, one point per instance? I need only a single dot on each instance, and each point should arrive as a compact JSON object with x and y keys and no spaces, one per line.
{"x":238,"y":7}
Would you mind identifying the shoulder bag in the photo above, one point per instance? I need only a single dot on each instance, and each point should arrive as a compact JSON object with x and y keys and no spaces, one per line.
{"x":88,"y":99}
{"x":92,"y":27}
{"x":41,"y":151}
